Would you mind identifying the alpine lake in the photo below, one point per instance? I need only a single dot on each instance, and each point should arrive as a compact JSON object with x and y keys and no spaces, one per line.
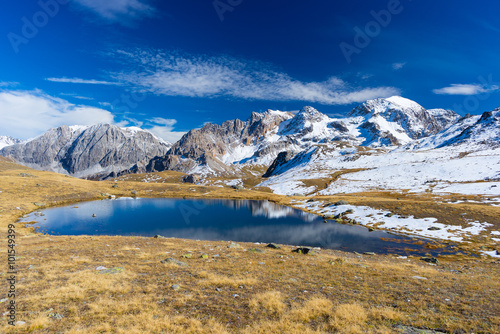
{"x":212,"y":219}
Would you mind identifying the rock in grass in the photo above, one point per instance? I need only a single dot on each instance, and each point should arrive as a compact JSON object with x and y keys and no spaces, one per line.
{"x":55,"y":316}
{"x":256,"y":250}
{"x":174,"y":261}
{"x":204,"y":256}
{"x":175,"y":287}
{"x":187,"y":256}
{"x":274,"y":246}
{"x":159,"y":237}
{"x":112,"y":271}
{"x":233,"y":245}
{"x":429,"y":259}
{"x":302,"y":250}
{"x":39,"y":203}
{"x":341,"y":203}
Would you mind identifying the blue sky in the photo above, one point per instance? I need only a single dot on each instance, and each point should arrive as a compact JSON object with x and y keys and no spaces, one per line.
{"x":170,"y":66}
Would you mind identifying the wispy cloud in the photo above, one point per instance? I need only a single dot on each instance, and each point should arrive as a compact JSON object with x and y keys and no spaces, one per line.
{"x":175,"y":74}
{"x":398,"y":66}
{"x":26,"y":114}
{"x":8,"y":84}
{"x":119,"y":11}
{"x":465,"y":89}
{"x":82,"y":81}
{"x":164,"y":128}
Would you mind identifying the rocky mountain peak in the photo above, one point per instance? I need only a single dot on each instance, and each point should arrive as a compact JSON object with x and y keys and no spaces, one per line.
{"x":406,"y":115}
{"x":309,"y":114}
{"x":88,"y":151}
{"x":7,"y":141}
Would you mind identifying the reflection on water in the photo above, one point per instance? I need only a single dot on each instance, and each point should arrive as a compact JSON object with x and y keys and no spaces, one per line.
{"x":236,"y":220}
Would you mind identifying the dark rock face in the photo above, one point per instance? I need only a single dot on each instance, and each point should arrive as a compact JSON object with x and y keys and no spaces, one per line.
{"x":100,"y":149}
{"x":191,"y":178}
{"x":281,"y":159}
{"x":207,"y":146}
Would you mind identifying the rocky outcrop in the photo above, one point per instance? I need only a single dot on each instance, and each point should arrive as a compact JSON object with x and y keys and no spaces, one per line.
{"x":281,"y":159}
{"x":82,"y":151}
{"x":191,"y":178}
{"x":212,"y":144}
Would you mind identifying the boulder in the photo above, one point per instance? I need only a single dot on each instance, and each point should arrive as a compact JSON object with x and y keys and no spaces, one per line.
{"x":191,"y":178}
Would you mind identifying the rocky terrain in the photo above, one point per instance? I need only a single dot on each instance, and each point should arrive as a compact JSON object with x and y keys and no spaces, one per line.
{"x":7,"y":141}
{"x":382,"y":144}
{"x":88,"y":151}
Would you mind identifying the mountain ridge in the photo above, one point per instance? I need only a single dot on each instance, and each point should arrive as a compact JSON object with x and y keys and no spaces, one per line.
{"x":392,"y":124}
{"x":87,"y":151}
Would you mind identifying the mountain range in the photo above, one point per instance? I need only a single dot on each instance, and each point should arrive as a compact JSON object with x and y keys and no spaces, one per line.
{"x":377,"y":135}
{"x":88,"y":151}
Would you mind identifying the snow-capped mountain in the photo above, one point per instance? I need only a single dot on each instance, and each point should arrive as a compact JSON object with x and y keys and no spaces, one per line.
{"x":223,"y":148}
{"x":469,"y":133}
{"x":383,"y":143}
{"x":7,"y":141}
{"x":396,"y":121}
{"x":88,"y":151}
{"x":463,"y":158}
{"x":216,"y":148}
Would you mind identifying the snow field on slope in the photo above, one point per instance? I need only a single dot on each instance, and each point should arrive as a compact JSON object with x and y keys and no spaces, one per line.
{"x":367,"y":216}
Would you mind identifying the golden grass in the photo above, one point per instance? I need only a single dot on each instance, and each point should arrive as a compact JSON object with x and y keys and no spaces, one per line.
{"x":270,"y":301}
{"x":217,"y":280}
{"x":328,"y":292}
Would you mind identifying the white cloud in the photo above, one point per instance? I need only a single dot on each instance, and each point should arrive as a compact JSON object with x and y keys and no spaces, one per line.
{"x":465,"y":89}
{"x":398,"y":66}
{"x":120,"y":11}
{"x":202,"y":76}
{"x":8,"y":83}
{"x":82,"y":81}
{"x":163,"y":128}
{"x":28,"y":114}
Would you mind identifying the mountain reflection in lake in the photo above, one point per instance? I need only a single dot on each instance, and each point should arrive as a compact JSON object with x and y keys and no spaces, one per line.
{"x":235,"y":220}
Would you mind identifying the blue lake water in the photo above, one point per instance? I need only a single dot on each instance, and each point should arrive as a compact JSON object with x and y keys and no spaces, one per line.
{"x":235,"y":220}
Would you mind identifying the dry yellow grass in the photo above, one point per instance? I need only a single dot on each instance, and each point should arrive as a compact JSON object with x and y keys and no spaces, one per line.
{"x":270,"y":302}
{"x":330,"y":291}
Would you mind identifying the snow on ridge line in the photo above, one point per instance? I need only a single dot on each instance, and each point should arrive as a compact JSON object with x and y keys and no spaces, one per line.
{"x":404,"y":102}
{"x":368,"y":216}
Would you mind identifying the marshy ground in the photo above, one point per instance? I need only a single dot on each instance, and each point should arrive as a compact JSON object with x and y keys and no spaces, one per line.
{"x":244,"y":288}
